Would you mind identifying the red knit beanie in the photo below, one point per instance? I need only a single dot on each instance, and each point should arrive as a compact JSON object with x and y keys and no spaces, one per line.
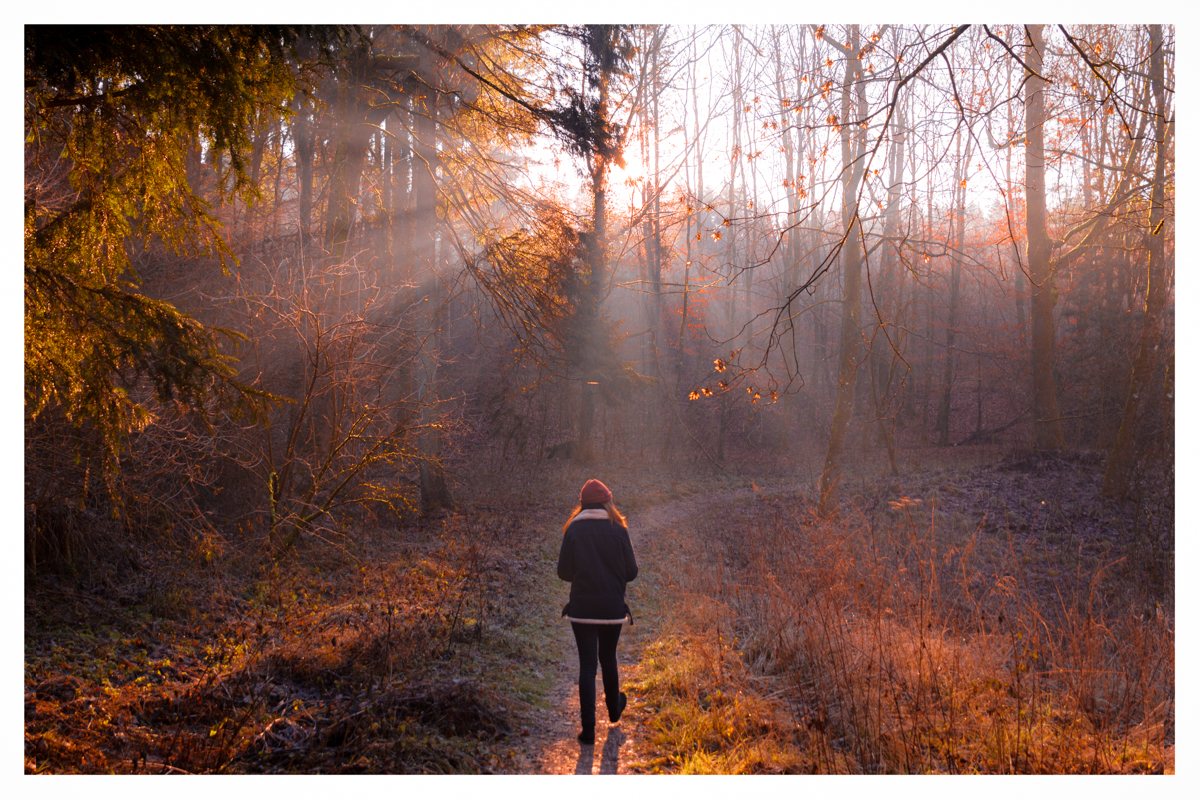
{"x":594,"y":492}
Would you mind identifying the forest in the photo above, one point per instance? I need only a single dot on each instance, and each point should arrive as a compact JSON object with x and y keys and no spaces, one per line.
{"x":868,"y":328}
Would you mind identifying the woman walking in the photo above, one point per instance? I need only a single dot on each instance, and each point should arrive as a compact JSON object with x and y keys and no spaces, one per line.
{"x":597,"y":558}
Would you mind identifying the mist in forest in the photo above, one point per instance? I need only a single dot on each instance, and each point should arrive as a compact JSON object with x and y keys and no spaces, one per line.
{"x":287,"y":284}
{"x":654,"y":243}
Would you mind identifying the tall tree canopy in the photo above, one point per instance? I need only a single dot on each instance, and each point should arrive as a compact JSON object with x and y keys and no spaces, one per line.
{"x":426,"y":219}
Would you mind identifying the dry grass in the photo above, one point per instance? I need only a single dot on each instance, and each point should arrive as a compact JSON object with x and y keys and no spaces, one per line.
{"x":912,"y":640}
{"x":982,"y":619}
{"x":707,"y":714}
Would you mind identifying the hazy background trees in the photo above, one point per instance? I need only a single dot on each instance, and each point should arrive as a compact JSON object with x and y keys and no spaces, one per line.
{"x":280,"y":278}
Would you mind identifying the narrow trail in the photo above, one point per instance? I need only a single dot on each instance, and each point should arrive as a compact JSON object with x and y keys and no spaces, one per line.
{"x":551,"y":748}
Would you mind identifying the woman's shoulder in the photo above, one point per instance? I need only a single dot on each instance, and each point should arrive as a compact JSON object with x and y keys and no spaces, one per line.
{"x":596,"y":524}
{"x":589,"y":515}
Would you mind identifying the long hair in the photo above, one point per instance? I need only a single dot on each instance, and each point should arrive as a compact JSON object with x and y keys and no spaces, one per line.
{"x":614,"y":516}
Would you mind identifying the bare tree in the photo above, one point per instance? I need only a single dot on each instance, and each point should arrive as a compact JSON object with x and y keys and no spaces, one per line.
{"x":853,"y":147}
{"x":1117,"y":475}
{"x":1047,"y":424}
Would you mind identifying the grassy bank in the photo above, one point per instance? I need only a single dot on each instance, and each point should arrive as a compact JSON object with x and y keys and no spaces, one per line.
{"x":988,"y":619}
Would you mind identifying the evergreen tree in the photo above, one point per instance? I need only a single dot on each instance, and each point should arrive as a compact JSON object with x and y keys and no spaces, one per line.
{"x":116,"y":120}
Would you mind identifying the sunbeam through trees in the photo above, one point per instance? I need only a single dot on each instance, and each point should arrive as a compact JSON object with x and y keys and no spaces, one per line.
{"x":293,"y":290}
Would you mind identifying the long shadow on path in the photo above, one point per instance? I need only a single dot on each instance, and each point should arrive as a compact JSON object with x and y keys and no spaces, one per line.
{"x":610,"y":759}
{"x":610,"y":755}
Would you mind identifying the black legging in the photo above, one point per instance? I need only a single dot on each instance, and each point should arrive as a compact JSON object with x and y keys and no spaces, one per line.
{"x":597,"y":642}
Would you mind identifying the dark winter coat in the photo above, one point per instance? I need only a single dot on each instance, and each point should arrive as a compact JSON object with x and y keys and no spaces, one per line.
{"x":597,"y":558}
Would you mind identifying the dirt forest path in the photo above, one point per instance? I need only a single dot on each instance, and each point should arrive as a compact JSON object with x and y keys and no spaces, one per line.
{"x":551,"y":748}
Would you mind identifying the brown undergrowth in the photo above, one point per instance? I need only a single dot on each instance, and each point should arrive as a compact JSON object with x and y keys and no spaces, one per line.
{"x":983,"y":618}
{"x":385,"y":650}
{"x":377,"y":655}
{"x":989,"y":619}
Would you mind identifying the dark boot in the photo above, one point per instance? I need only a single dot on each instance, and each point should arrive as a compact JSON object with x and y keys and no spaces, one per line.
{"x":621,"y":702}
{"x":587,"y":723}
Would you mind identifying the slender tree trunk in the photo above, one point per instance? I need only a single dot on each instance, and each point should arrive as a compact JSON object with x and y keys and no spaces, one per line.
{"x":344,"y":184}
{"x":1020,"y":284}
{"x":194,"y":165}
{"x":261,"y":136}
{"x":1047,"y":425}
{"x":656,"y":251}
{"x":383,"y":223}
{"x":750,"y":211}
{"x":852,"y":168}
{"x":731,"y":229}
{"x":598,"y":264}
{"x":1110,"y":381}
{"x":279,"y":151}
{"x":887,"y":297}
{"x":305,"y":145}
{"x":978,"y":393}
{"x":355,"y":129}
{"x":943,"y":414}
{"x":645,"y":254}
{"x":1121,"y":462}
{"x":656,"y":262}
{"x":694,"y":221}
{"x":888,"y":443}
{"x":435,"y":493}
{"x":927,"y":367}
{"x":927,"y":370}
{"x":597,"y":258}
{"x":791,"y":255}
{"x":402,"y":200}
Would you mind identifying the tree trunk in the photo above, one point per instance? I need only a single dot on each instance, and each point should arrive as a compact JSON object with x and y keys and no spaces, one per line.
{"x":644,"y":251}
{"x":354,"y":138}
{"x":943,"y":415}
{"x":279,"y":151}
{"x":1121,"y":462}
{"x":356,"y":126}
{"x":261,"y":136}
{"x":888,"y":296}
{"x":383,"y":225}
{"x":598,"y":264}
{"x":656,"y":261}
{"x":434,"y":492}
{"x":597,"y":257}
{"x":305,"y":145}
{"x":1047,"y":426}
{"x":831,"y":475}
{"x":735,"y":156}
{"x":402,"y":198}
{"x":693,"y":224}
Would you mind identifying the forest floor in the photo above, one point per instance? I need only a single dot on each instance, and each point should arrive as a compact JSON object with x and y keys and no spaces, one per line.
{"x":439,"y":646}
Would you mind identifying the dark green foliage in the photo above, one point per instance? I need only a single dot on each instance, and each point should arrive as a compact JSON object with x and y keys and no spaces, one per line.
{"x":582,"y":123}
{"x":117,"y":119}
